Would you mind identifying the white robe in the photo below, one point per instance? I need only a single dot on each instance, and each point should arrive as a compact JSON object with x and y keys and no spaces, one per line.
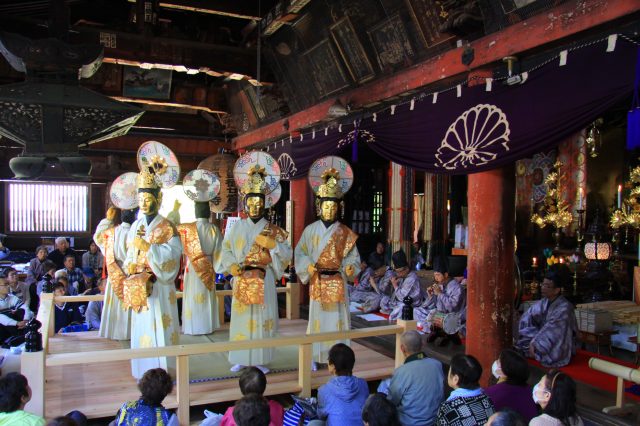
{"x":158,"y":325}
{"x":199,"y":305}
{"x":329,"y":316}
{"x":115,"y":322}
{"x":251,"y":322}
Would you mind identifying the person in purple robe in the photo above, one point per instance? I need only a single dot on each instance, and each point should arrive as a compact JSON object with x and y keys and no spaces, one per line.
{"x":547,"y":331}
{"x":367,"y":291}
{"x":405,"y":282}
{"x":447,"y":296}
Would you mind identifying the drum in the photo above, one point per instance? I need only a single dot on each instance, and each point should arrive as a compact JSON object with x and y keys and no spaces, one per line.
{"x":449,"y":323}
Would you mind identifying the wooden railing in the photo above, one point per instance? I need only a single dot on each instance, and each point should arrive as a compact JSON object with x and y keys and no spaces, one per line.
{"x":33,"y":364}
{"x":622,"y":373}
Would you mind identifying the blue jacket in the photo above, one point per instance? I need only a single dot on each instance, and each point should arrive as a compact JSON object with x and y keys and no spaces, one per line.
{"x":340,"y":401}
{"x":417,"y":389}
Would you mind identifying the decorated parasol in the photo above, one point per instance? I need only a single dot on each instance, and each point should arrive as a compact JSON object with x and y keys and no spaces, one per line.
{"x":201,"y":185}
{"x":162,"y":162}
{"x":123,"y":192}
{"x":321,"y":165}
{"x":248,"y":163}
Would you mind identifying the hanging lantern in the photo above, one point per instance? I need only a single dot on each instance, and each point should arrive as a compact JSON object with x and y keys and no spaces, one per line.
{"x":597,"y":251}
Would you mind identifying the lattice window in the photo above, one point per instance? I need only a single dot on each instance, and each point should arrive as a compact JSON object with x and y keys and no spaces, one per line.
{"x":377,"y":212}
{"x":48,"y":207}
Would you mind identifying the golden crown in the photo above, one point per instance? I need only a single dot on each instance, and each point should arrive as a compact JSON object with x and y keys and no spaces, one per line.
{"x":147,"y":180}
{"x":330,"y":187}
{"x":255,"y":184}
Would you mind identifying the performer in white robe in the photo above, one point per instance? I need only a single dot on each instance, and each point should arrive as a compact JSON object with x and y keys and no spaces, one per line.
{"x":153,"y":259}
{"x":202,"y":243}
{"x":115,"y":322}
{"x":256,"y":253}
{"x":326,"y":257}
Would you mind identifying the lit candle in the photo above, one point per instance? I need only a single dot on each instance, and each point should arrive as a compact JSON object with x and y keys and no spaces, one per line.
{"x":580,"y":198}
{"x":561,"y":260}
{"x":535,"y":261}
{"x":619,"y":196}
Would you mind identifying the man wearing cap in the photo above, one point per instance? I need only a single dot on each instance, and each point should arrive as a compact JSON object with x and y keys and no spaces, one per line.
{"x":256,"y":253}
{"x":403,"y":282}
{"x":152,"y":262}
{"x":115,"y":320}
{"x":367,"y":291}
{"x":326,"y":257}
{"x":447,"y":295}
{"x":547,"y":331}
{"x":202,"y":242}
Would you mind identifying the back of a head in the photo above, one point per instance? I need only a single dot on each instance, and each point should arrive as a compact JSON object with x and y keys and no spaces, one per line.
{"x":155,"y":385}
{"x":468,"y":369}
{"x":62,"y":421}
{"x":506,"y":417}
{"x":562,"y":404}
{"x":379,"y":411}
{"x":515,"y":367}
{"x":412,"y":341}
{"x":13,"y":387}
{"x":252,"y":410}
{"x":342,"y":358}
{"x":252,"y":380}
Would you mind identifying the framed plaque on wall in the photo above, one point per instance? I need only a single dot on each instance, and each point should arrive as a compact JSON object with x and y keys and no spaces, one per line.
{"x":326,"y":71}
{"x":351,"y":50}
{"x":428,"y":16}
{"x":391,"y":42}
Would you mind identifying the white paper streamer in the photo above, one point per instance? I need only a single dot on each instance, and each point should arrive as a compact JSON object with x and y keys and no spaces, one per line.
{"x":525,"y":76}
{"x":393,"y":109}
{"x":459,"y":90}
{"x":375,"y":117}
{"x":313,"y":134}
{"x":611,"y":42}
{"x":563,"y":58}
{"x":435,"y":98}
{"x":326,"y":129}
{"x":413,"y":103}
{"x":488,"y":84}
{"x":301,"y":136}
{"x":340,"y":128}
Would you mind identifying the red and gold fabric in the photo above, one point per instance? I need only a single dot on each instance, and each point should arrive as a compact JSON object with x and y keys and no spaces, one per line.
{"x":116,"y":274}
{"x":329,"y":288}
{"x":199,"y":261}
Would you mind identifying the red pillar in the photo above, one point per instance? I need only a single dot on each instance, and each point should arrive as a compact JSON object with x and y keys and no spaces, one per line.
{"x":490,"y":285}
{"x":303,"y":214}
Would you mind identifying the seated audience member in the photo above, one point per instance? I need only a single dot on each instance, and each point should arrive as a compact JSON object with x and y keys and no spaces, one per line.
{"x":68,"y":290}
{"x":36,"y":269}
{"x":556,"y":395}
{"x":14,"y":395}
{"x":154,"y":386}
{"x":90,"y":282}
{"x":506,"y":417}
{"x":17,"y":288}
{"x":547,"y":331}
{"x":93,"y":258}
{"x":94,"y":309}
{"x":417,"y":387}
{"x":66,"y":313}
{"x":74,"y":418}
{"x":253,"y":381}
{"x":76,"y":279}
{"x":379,"y":411}
{"x":252,"y":410}
{"x":467,"y":404}
{"x":405,"y":283}
{"x":367,"y":290}
{"x":341,"y":399}
{"x":14,"y":314}
{"x":62,"y":250}
{"x":447,"y":295}
{"x":49,"y":276}
{"x":512,"y":391}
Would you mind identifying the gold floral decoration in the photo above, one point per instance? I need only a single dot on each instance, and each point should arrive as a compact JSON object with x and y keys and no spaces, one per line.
{"x":629,"y":214}
{"x":554,"y":210}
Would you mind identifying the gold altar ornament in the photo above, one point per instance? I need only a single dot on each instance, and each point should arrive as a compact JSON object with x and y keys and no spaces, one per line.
{"x":555,"y":210}
{"x":628,"y":214}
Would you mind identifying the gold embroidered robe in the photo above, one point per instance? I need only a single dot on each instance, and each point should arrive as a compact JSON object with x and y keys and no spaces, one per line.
{"x":202,"y":242}
{"x":331,"y":248}
{"x":254,"y":321}
{"x":115,"y":322}
{"x":158,"y":324}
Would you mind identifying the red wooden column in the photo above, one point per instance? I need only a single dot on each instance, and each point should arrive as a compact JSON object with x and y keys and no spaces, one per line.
{"x":303,"y":214}
{"x":490,"y":284}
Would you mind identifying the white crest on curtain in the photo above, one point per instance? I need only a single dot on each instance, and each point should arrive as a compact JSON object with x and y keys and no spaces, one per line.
{"x":287,"y":166}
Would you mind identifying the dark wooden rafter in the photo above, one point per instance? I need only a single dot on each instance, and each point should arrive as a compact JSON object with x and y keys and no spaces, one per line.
{"x":229,"y":8}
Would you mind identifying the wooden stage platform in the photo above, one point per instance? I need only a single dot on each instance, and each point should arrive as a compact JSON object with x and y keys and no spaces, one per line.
{"x":98,"y":389}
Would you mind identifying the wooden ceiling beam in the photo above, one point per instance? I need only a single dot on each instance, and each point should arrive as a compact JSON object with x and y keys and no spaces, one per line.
{"x":193,"y":147}
{"x":228,"y":8}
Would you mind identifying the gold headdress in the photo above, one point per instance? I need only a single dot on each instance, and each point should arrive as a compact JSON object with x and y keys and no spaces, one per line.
{"x":146,"y":180}
{"x":330,"y":188}
{"x":256,"y":183}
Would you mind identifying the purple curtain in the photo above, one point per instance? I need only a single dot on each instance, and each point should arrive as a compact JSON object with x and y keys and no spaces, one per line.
{"x":481,"y":130}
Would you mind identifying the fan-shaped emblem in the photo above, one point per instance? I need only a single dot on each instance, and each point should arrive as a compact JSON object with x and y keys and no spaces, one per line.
{"x":287,"y":166}
{"x":475,"y":138}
